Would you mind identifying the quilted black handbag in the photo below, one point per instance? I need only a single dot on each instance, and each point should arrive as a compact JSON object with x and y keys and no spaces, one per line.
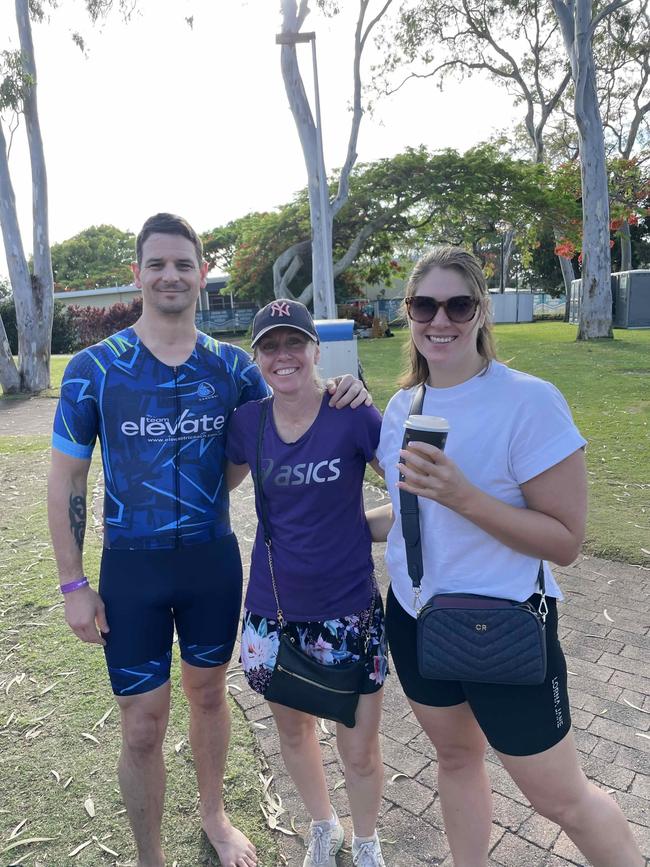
{"x":299,"y":681}
{"x":464,"y":636}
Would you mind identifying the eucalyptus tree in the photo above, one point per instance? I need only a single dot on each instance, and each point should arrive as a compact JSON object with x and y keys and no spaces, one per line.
{"x":517,"y":45}
{"x":32,"y":288}
{"x":578,"y":22}
{"x":323,"y":209}
{"x":405,"y":202}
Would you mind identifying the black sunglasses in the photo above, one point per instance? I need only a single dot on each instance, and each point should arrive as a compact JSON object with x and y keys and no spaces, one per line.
{"x":423,"y":309}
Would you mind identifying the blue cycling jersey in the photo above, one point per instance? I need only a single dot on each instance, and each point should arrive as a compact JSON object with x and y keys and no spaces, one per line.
{"x":162,"y":431}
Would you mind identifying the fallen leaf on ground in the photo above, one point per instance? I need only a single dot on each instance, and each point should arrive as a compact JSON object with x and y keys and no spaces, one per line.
{"x":89,"y":737}
{"x":89,"y":807}
{"x":79,"y":848}
{"x":636,"y":706}
{"x":26,"y":842}
{"x":399,"y":776}
{"x":606,"y":616}
{"x":16,"y":830}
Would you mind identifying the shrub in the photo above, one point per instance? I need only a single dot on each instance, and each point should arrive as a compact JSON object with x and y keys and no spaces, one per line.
{"x":93,"y":324}
{"x":64,"y":335}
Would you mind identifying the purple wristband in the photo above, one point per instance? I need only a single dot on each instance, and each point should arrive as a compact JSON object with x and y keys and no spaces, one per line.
{"x":74,"y":585}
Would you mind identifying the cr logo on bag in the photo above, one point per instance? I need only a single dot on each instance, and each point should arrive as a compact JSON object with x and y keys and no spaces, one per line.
{"x":481,"y":627}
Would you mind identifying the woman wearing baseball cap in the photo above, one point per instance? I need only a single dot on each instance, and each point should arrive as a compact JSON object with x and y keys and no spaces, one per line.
{"x":313,"y":458}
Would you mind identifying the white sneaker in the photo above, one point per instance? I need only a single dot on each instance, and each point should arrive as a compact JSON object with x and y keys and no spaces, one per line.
{"x":368,"y":854}
{"x":323,"y":842}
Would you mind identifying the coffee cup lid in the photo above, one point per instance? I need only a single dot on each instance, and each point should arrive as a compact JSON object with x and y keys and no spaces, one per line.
{"x":427,"y":422}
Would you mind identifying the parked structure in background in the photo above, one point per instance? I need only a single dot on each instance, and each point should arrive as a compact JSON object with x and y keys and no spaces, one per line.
{"x":630,"y":299}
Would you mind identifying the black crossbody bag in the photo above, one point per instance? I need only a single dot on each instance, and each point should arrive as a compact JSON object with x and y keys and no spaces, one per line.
{"x":299,"y":681}
{"x":465,"y":636}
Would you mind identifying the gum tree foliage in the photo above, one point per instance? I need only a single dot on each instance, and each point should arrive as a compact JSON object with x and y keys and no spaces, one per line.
{"x":32,"y":287}
{"x":516,"y":44}
{"x":404,"y":203}
{"x":622,"y":60}
{"x":291,"y":260}
{"x":99,"y":256}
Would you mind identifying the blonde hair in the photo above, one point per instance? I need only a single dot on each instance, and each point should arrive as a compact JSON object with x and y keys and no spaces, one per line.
{"x":468,"y":266}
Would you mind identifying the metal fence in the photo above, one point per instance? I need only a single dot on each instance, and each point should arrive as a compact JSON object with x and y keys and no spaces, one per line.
{"x":227,"y":320}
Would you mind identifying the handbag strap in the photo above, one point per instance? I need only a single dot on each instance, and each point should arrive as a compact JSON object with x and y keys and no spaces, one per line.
{"x":259,"y":488}
{"x":410,"y":516}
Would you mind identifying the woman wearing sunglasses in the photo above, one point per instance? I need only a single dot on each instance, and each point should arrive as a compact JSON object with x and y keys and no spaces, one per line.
{"x":312,"y":461}
{"x":508,"y":492}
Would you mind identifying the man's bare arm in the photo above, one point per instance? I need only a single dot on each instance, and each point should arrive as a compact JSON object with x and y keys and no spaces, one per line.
{"x":67,"y":509}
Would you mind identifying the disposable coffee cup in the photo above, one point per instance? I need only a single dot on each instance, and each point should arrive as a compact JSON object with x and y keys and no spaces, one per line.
{"x":426,"y":429}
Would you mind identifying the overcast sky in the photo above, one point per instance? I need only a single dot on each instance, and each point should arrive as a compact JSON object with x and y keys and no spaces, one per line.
{"x":159,"y":116}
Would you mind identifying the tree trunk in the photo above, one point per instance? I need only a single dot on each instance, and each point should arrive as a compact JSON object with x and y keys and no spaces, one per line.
{"x":508,"y":246}
{"x":34,"y":312}
{"x":596,"y":306}
{"x":626,"y":246}
{"x":16,"y":264}
{"x":577,"y":24}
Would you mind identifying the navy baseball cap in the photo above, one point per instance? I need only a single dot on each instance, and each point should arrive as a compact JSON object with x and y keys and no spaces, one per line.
{"x":283,"y":313}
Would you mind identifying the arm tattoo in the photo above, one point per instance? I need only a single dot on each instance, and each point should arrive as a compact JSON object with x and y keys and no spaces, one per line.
{"x":77,"y":512}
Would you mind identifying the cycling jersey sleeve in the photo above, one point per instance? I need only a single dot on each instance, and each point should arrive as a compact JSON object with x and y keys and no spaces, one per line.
{"x":76,"y":421}
{"x":252,"y":385}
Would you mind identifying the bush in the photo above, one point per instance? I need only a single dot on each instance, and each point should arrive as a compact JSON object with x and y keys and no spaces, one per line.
{"x":8,"y":315}
{"x":93,"y":324}
{"x":74,"y":327}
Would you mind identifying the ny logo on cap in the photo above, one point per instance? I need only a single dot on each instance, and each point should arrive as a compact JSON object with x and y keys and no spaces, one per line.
{"x":281,"y":308}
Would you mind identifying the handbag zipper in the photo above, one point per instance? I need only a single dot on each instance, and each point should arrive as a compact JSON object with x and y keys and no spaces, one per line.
{"x":313,"y":682}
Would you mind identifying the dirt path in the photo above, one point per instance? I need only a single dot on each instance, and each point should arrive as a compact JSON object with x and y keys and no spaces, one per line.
{"x":31,"y":416}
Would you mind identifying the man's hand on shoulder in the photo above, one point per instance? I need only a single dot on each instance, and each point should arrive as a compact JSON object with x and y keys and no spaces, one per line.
{"x":85,"y":615}
{"x":348,"y":391}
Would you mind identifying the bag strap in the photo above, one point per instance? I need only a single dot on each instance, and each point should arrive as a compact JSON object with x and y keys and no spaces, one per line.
{"x":259,"y":488}
{"x":410,"y":515}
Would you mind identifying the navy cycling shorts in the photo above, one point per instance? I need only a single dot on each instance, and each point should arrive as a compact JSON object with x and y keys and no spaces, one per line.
{"x":516,"y":720}
{"x":147,"y":593}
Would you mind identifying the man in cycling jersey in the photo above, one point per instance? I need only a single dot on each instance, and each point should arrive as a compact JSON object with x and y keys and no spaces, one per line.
{"x":159,"y":395}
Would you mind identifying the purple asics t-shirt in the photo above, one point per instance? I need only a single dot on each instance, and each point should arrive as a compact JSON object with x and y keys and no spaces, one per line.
{"x":313,"y":487}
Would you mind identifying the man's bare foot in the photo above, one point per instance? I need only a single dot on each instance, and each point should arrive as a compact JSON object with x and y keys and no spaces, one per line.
{"x":233,"y":848}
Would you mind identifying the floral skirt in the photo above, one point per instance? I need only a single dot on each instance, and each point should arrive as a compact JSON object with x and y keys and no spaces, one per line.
{"x":331,"y":642}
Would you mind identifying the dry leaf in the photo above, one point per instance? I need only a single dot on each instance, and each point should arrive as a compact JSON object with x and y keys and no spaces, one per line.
{"x":645,"y":551}
{"x":26,"y":842}
{"x":324,"y":728}
{"x":105,"y":848}
{"x":56,"y":776}
{"x":89,"y":807}
{"x":16,"y":830}
{"x":636,"y":706}
{"x":339,"y":785}
{"x":89,"y":737}
{"x":234,"y":686}
{"x":642,"y":735}
{"x":606,"y":616}
{"x":399,"y":776}
{"x":285,"y":831}
{"x":48,"y":688}
{"x":100,"y":722}
{"x":179,"y":746}
{"x":258,"y":725}
{"x":79,"y":849}
{"x":67,"y":782}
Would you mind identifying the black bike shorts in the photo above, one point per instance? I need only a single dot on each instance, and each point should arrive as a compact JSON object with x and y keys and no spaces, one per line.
{"x":516,"y":720}
{"x":147,"y":593}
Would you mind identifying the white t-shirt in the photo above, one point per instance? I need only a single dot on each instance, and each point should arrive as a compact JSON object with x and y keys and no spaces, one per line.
{"x":506,"y":427}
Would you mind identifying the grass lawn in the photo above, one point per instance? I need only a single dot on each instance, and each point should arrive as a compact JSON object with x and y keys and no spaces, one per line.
{"x":59,"y":728}
{"x":607,"y":386}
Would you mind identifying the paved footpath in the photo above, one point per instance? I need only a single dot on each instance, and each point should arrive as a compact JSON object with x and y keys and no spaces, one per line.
{"x":605,"y":629}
